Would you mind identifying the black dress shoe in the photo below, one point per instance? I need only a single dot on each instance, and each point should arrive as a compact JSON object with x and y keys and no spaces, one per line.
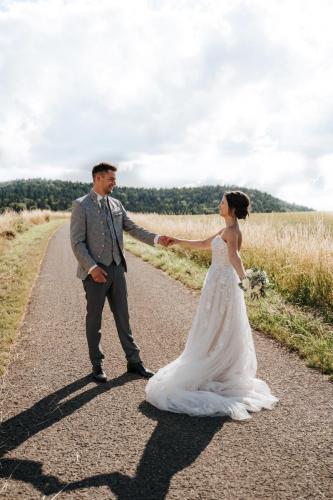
{"x":139,"y":369}
{"x":99,"y":374}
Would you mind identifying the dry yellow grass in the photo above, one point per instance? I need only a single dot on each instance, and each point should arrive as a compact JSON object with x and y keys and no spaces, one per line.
{"x":23,"y":240}
{"x":12,"y":223}
{"x":296,"y":249}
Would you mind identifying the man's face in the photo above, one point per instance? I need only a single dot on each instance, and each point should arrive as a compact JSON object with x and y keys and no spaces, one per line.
{"x":107,"y":181}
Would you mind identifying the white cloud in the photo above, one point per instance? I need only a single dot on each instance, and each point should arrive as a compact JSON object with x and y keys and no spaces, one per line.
{"x":178,"y":92}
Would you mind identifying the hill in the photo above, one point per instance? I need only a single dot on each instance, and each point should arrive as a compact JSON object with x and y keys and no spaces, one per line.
{"x":58,"y":195}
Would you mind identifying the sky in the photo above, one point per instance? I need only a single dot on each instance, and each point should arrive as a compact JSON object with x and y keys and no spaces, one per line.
{"x":175,"y":92}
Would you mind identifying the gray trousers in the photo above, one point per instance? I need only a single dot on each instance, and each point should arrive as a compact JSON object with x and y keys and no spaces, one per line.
{"x":115,"y":290}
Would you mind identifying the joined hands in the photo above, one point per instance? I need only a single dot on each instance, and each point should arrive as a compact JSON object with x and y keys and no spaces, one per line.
{"x":167,"y":241}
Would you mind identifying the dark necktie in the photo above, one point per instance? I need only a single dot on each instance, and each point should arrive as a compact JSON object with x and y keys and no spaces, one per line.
{"x":114,"y":241}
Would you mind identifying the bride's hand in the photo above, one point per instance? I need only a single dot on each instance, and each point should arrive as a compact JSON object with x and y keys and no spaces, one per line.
{"x":172,"y":241}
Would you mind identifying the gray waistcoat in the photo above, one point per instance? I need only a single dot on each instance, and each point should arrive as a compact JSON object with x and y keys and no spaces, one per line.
{"x":110,"y":249}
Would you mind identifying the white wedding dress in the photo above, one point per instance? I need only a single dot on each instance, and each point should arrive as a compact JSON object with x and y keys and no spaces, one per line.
{"x":216,"y":373}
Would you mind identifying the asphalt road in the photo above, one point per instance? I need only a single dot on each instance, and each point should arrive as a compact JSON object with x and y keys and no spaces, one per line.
{"x":63,"y":436}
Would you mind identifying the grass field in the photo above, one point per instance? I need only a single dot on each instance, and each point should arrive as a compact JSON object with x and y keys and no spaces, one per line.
{"x":23,"y":241}
{"x":295,"y":249}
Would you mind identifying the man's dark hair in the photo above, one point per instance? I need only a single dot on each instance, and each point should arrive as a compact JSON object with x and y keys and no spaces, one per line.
{"x":103,"y":167}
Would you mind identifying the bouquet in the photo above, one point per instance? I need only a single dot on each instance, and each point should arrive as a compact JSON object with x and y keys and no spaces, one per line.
{"x":256,"y":283}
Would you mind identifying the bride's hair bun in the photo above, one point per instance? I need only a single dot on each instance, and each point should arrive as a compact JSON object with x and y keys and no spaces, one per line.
{"x":240,"y":202}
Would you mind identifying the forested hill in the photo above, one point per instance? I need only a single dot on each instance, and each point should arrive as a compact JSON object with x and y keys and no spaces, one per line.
{"x":58,"y":195}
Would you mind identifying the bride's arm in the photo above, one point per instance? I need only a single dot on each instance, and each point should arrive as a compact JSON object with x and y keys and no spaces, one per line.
{"x":231,"y":237}
{"x":196,"y":244}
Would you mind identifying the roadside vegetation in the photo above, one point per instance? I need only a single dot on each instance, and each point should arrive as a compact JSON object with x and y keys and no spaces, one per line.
{"x":23,"y":241}
{"x":295,"y":249}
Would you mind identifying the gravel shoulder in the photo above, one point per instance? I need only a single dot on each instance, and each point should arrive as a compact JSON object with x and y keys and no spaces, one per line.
{"x":64,"y":436}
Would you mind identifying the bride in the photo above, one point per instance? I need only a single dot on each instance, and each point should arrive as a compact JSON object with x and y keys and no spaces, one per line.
{"x":216,"y":372}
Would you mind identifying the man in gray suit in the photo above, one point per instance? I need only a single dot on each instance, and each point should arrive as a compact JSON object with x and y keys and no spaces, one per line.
{"x":97,"y":225}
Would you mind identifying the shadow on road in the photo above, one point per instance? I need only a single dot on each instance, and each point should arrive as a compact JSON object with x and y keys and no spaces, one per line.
{"x":176,"y":442}
{"x":50,"y":410}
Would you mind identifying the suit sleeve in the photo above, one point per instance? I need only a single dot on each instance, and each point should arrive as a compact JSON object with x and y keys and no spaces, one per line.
{"x":78,"y":237}
{"x":136,"y":231}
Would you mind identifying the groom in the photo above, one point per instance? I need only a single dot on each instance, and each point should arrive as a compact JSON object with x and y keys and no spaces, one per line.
{"x":97,"y":225}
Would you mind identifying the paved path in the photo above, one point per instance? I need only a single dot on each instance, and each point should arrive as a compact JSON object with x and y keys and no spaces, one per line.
{"x":63,"y":436}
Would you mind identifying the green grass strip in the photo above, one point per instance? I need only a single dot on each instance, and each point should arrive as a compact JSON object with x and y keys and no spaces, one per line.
{"x":300,"y":329}
{"x":20,"y":261}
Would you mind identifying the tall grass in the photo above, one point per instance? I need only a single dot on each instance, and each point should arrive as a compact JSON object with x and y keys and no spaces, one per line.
{"x":23,"y":240}
{"x":13,"y":223}
{"x":296,"y":249}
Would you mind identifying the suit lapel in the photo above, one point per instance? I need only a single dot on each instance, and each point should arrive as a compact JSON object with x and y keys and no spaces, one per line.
{"x":93,"y":197}
{"x":112,"y":204}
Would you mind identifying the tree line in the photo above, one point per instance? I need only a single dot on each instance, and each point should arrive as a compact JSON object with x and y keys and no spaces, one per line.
{"x":58,"y":195}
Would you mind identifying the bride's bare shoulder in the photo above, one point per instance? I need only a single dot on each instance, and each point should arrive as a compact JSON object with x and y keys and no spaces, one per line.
{"x":232,"y":232}
{"x":233,"y":236}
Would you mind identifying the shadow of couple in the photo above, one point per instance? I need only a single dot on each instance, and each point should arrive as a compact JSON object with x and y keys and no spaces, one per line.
{"x":175,"y":443}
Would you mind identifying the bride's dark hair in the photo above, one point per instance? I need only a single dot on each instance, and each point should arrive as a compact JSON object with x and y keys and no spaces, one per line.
{"x":240,"y":202}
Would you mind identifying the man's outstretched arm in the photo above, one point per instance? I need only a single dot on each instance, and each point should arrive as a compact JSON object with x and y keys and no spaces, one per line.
{"x":142,"y":234}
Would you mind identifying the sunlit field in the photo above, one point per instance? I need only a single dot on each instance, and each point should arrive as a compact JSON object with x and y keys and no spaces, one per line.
{"x":296,"y":249}
{"x":13,"y":223}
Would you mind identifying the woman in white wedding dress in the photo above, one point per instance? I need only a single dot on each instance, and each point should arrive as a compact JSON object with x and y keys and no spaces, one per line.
{"x":216,"y":373}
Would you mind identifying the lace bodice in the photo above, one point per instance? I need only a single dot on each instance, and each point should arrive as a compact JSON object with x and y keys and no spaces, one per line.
{"x":220,"y":252}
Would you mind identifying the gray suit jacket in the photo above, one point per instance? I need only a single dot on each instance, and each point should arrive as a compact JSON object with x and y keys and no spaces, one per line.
{"x":87,"y":231}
